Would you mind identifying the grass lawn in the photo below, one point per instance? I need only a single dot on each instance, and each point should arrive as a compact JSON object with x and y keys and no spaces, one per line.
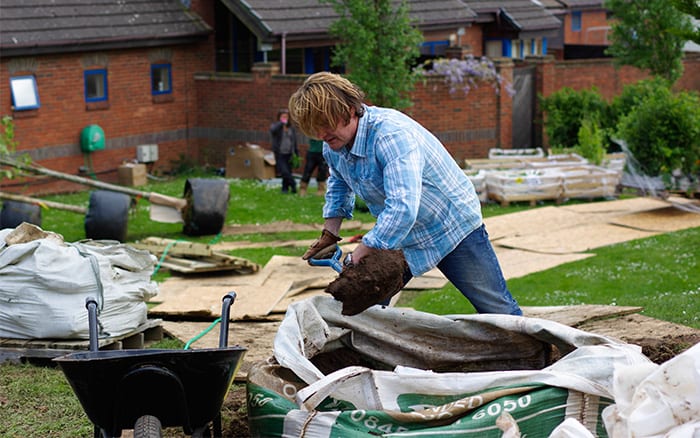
{"x":661,"y":274}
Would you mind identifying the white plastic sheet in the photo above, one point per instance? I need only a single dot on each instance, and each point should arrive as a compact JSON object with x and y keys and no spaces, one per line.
{"x":657,"y":400}
{"x":44,"y":284}
{"x":417,"y":395}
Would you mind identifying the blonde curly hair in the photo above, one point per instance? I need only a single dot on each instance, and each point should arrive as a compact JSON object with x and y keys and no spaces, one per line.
{"x":324,"y":100}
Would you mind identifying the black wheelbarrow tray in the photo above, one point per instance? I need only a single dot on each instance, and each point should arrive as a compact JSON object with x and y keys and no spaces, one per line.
{"x":147,"y":389}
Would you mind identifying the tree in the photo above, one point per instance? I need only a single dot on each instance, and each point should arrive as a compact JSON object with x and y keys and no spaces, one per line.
{"x":647,"y":34}
{"x":378,"y":46}
{"x":692,"y":8}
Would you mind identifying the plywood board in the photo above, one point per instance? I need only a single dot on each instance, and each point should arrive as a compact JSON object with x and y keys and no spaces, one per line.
{"x":518,"y":263}
{"x":665,"y":219}
{"x":228,"y":246}
{"x":298,"y":271}
{"x":575,"y":239}
{"x":575,"y":316}
{"x":252,"y":302}
{"x":176,"y":284}
{"x":433,"y":279}
{"x":533,"y":221}
{"x":616,"y":207}
{"x":635,"y":327}
{"x":285,"y":302}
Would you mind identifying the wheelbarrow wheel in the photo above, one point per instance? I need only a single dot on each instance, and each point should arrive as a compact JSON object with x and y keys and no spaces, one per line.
{"x":147,"y":426}
{"x":207,"y":204}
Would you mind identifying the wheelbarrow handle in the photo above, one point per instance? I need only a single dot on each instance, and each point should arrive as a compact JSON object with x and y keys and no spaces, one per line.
{"x":228,"y":300}
{"x":91,"y":305}
{"x":334,"y":261}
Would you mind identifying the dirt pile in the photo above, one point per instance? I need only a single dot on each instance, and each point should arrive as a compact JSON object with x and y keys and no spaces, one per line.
{"x":375,"y":279}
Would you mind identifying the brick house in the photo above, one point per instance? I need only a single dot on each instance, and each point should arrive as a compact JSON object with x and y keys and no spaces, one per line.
{"x":125,"y":67}
{"x":158,"y":73}
{"x":585,"y":28}
{"x":295,"y":33}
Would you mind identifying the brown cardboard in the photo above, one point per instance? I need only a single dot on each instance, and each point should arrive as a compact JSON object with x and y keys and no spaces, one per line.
{"x":132,"y":174}
{"x":250,"y":161}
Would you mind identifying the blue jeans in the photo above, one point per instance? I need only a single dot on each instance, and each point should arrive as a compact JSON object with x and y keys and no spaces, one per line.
{"x":474,"y":270}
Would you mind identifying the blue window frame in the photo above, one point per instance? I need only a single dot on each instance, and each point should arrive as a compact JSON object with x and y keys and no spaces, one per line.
{"x":507,"y":48}
{"x":576,"y":21}
{"x":161,"y":79}
{"x":434,"y":48}
{"x":25,"y":94}
{"x":95,"y":85}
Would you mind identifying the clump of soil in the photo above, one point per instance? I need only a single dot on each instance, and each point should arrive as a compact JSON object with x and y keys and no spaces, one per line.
{"x":375,"y":279}
{"x":665,"y":348}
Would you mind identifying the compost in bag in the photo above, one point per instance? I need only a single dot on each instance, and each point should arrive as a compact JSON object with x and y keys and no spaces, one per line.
{"x":390,"y":371}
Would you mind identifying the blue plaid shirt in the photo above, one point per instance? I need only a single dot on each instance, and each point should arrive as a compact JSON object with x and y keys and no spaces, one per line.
{"x":423,"y":201}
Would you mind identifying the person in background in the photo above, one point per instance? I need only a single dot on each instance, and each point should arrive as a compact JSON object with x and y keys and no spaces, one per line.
{"x":284,"y":146}
{"x":423,"y":202}
{"x":314,"y":161}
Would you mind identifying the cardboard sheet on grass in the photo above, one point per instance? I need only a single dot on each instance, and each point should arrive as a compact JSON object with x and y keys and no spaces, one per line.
{"x":403,"y":372}
{"x":573,"y":230}
{"x":256,"y":337}
{"x":257,"y":294}
{"x":283,"y":280}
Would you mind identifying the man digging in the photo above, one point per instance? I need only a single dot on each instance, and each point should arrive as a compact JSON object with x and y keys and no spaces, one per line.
{"x":428,"y":213}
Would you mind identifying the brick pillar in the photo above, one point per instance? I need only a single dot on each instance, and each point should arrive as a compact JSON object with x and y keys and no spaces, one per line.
{"x":544,"y":86}
{"x":459,"y":52}
{"x":504,"y":105}
{"x":263,"y":71}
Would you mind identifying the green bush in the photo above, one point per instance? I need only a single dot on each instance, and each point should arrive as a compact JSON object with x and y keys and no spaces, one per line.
{"x":591,"y":141}
{"x":662,"y":131}
{"x":565,"y":111}
{"x":633,"y":94}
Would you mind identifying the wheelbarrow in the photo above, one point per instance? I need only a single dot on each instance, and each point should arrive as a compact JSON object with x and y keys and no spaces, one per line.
{"x":150,"y":389}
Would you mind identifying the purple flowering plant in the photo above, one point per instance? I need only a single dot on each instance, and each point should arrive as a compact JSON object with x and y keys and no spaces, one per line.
{"x":466,"y":74}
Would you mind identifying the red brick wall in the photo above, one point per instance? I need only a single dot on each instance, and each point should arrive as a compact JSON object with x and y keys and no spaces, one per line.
{"x":211,"y":112}
{"x":235,"y":109}
{"x":603,"y":75}
{"x":609,"y":80}
{"x":132,"y":116}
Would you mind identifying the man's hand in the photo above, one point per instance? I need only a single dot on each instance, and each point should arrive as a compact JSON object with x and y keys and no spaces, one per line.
{"x":323,"y":246}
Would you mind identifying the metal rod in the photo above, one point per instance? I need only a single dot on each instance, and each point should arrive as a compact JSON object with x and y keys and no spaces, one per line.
{"x":228,"y":300}
{"x":50,"y":204}
{"x":75,"y":178}
{"x":91,"y":305}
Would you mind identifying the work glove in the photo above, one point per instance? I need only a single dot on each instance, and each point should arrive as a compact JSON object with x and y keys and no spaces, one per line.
{"x":323,"y":247}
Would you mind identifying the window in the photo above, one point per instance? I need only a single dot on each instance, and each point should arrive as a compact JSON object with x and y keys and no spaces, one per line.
{"x":95,"y":85}
{"x":434,"y":48}
{"x":576,"y":21}
{"x":495,"y":49}
{"x":515,"y":47}
{"x":25,"y":95}
{"x":161,"y":79}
